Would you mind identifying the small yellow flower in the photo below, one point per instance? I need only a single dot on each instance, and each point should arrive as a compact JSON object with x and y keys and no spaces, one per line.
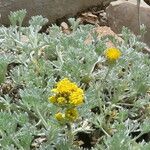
{"x":71,"y":114}
{"x":52,"y":99}
{"x":76,"y":98}
{"x":65,"y":86}
{"x":112,"y":54}
{"x":60,"y":116}
{"x":61,"y":100}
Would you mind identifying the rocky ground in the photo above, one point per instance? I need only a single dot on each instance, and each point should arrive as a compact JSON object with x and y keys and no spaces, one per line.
{"x":109,"y":20}
{"x":112,"y":13}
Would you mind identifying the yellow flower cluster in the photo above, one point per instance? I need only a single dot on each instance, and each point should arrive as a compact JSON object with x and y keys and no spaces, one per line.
{"x":112,"y":54}
{"x":68,"y":96}
{"x":70,"y":115}
{"x":67,"y":93}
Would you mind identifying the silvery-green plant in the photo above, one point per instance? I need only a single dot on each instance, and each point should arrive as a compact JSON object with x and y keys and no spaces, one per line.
{"x":116,"y":107}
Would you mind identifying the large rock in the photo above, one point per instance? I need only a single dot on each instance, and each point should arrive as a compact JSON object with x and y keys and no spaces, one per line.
{"x":124,"y":13}
{"x":51,"y":9}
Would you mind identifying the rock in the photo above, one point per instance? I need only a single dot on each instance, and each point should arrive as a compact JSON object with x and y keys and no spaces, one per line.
{"x":147,"y":2}
{"x":124,"y":13}
{"x":102,"y":32}
{"x":65,"y":28}
{"x":89,"y":18}
{"x":106,"y":31}
{"x":51,"y":9}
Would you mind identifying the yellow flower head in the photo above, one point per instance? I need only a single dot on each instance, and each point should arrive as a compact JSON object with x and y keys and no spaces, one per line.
{"x":71,"y":114}
{"x":76,"y":98}
{"x":60,"y":116}
{"x":112,"y":54}
{"x":52,"y":99}
{"x":65,"y":86}
{"x":67,"y":94}
{"x":61,"y":100}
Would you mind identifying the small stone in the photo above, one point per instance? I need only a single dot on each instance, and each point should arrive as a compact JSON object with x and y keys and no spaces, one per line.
{"x":64,"y":26}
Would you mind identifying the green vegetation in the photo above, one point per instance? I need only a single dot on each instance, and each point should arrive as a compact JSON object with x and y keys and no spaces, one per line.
{"x":115,"y":114}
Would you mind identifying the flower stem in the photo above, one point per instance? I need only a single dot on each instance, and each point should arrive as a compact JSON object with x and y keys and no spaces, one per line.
{"x":109,"y":69}
{"x":104,"y":131}
{"x":70,"y":134}
{"x":41,"y":117}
